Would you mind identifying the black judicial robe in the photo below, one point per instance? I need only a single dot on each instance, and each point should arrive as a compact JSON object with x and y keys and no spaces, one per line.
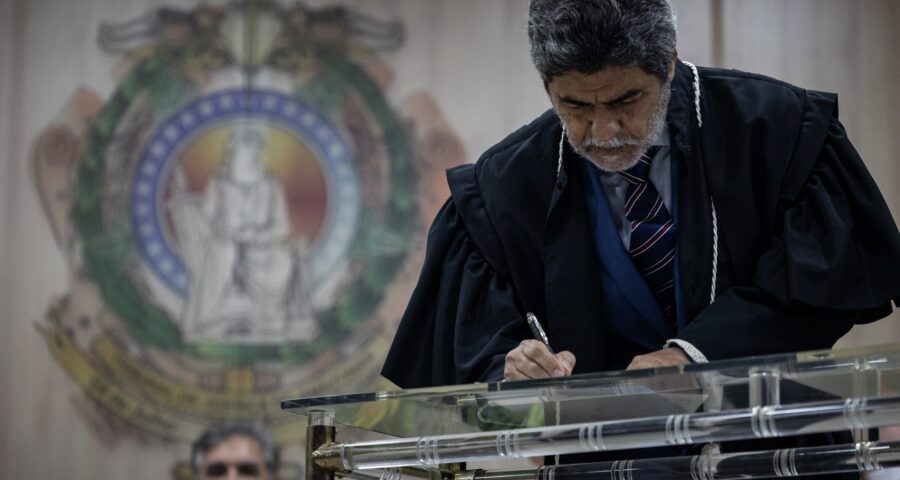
{"x":807,"y":246}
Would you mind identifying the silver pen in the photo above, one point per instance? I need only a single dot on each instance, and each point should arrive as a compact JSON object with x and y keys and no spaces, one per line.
{"x":537,"y":331}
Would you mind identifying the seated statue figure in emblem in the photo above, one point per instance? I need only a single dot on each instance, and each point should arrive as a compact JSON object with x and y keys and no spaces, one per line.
{"x":250,"y":280}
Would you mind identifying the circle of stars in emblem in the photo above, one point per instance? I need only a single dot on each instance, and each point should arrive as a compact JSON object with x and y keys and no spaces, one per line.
{"x":156,"y":161}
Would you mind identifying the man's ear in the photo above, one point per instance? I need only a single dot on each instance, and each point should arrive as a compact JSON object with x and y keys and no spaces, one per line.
{"x":672,"y":63}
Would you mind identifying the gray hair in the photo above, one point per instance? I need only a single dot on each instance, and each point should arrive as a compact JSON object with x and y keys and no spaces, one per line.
{"x":215,"y":435}
{"x":589,"y":35}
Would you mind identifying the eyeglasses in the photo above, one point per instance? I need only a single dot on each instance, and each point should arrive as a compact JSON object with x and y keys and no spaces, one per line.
{"x":245,"y":469}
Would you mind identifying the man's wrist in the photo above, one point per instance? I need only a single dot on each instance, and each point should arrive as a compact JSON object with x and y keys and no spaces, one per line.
{"x":695,"y":355}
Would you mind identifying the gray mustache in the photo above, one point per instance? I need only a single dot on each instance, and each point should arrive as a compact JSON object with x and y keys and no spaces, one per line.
{"x":612,"y":143}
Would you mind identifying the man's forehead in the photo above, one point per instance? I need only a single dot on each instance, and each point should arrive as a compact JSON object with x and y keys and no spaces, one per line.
{"x":603,"y":85}
{"x":236,"y":446}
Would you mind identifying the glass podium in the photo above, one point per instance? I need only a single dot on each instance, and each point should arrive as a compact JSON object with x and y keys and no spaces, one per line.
{"x":435,"y":431}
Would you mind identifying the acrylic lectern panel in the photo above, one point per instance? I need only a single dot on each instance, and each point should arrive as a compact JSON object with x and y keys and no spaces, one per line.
{"x":782,"y":380}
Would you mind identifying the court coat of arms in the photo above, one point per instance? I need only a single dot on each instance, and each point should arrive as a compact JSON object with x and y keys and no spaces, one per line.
{"x":242,"y":215}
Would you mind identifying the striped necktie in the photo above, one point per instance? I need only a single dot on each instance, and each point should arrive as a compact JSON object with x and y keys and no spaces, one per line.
{"x":652,"y":245}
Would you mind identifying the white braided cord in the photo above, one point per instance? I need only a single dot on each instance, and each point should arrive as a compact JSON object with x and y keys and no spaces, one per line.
{"x":712,"y":204}
{"x":696,"y":84}
{"x":562,"y":140}
{"x":715,"y":261}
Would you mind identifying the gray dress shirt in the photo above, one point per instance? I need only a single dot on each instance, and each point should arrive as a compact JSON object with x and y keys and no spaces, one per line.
{"x":615,"y":187}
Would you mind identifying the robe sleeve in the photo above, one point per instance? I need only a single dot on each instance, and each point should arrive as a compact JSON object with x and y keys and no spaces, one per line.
{"x":833,"y":261}
{"x":462,"y":318}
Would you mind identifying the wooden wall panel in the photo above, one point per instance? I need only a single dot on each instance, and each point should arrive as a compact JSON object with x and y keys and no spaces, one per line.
{"x":6,"y":52}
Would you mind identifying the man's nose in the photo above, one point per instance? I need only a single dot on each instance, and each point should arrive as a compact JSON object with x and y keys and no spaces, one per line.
{"x":604,"y":128}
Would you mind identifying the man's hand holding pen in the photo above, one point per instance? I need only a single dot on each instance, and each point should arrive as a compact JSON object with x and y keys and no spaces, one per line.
{"x":532,"y":359}
{"x":535,"y":358}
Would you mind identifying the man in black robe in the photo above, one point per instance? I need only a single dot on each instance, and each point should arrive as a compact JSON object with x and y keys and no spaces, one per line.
{"x":772,"y":236}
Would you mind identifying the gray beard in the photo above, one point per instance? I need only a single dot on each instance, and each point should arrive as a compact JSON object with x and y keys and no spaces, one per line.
{"x":657,"y":123}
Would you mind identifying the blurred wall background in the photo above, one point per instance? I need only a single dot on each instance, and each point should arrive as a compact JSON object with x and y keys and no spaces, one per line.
{"x":459,"y":80}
